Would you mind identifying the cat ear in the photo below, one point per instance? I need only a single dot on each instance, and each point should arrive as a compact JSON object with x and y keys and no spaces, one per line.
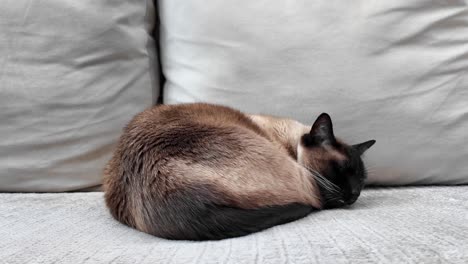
{"x":322,"y":130}
{"x":362,"y":147}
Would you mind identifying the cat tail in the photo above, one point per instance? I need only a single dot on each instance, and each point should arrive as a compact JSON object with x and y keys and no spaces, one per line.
{"x":201,"y":218}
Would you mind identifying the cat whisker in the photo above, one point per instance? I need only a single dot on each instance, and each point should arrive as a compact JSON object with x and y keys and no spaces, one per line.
{"x":326,"y":184}
{"x":335,"y":199}
{"x":325,"y":180}
{"x":332,"y":199}
{"x":370,"y":170}
{"x":330,"y":189}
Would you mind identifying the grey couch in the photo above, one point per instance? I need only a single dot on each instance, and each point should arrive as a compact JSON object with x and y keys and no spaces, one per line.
{"x":72,"y":73}
{"x":386,"y":225}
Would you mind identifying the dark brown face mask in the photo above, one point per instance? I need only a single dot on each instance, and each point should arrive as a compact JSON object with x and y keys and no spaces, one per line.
{"x":341,"y":173}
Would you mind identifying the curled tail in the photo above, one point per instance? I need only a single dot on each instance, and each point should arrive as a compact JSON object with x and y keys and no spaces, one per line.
{"x":201,"y":218}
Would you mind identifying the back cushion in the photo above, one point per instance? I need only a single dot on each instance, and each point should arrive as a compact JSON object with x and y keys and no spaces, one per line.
{"x":72,"y":73}
{"x":394,"y":71}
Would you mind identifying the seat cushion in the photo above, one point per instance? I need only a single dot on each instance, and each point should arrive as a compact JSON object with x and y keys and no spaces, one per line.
{"x":386,"y":225}
{"x":72,"y":74}
{"x":394,"y":71}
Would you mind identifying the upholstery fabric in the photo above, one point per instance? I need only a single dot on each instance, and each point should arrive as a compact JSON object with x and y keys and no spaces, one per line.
{"x":72,"y":74}
{"x":394,"y":71}
{"x":388,"y":225}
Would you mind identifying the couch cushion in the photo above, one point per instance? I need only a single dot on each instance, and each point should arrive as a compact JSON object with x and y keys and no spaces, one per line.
{"x":72,"y":73}
{"x":400,"y":225}
{"x":395,"y":71}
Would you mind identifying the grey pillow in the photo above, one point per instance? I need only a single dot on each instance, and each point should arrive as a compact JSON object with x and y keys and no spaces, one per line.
{"x":395,"y":71}
{"x":72,"y":74}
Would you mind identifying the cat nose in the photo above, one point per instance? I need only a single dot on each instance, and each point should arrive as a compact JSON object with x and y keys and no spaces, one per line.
{"x":351,"y":200}
{"x":354,"y":194}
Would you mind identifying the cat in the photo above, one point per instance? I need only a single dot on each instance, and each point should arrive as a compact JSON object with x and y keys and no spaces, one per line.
{"x":208,"y":172}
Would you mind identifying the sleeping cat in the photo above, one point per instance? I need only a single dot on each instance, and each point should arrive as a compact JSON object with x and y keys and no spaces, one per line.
{"x":207,"y":172}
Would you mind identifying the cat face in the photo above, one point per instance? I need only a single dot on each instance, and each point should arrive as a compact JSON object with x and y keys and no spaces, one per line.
{"x":337,"y":167}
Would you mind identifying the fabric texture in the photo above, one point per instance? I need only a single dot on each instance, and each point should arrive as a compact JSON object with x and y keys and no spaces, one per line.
{"x":72,"y":74}
{"x":388,"y":225}
{"x":394,"y":71}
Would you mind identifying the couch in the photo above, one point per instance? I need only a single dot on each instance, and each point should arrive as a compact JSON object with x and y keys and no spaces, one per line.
{"x":386,"y":225}
{"x":74,"y":73}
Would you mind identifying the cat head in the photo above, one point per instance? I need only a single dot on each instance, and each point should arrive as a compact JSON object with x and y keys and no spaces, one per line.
{"x":337,"y":167}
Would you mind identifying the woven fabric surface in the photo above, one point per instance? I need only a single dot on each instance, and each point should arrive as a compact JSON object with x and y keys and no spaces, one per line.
{"x":386,"y":225}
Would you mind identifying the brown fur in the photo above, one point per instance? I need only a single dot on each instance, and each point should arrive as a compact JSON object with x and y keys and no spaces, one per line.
{"x":245,"y":162}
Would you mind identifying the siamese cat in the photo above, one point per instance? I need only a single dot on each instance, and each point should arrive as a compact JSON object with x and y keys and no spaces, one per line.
{"x":208,"y":172}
